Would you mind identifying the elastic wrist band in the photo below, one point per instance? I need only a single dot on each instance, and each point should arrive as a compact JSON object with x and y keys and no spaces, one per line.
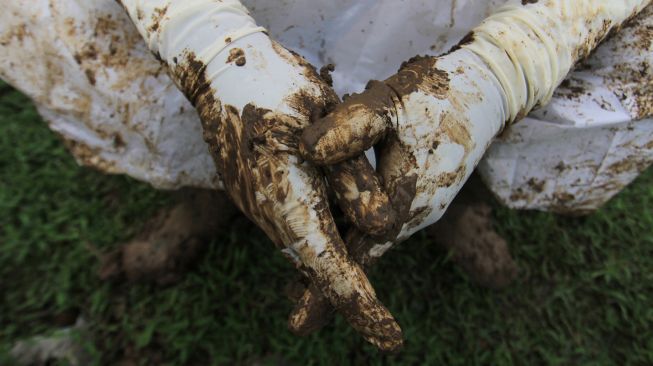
{"x":183,"y":19}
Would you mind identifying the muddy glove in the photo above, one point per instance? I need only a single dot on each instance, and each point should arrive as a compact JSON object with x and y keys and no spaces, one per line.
{"x":431,"y":123}
{"x":254,"y":98}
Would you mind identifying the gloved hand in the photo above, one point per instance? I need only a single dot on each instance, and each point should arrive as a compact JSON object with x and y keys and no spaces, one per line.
{"x":431,"y":123}
{"x":254,"y":98}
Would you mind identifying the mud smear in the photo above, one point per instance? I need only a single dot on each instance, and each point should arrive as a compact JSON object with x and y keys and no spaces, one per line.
{"x":396,"y":169}
{"x":361,"y":197}
{"x":375,"y":108}
{"x":420,"y":73}
{"x":310,"y":315}
{"x":468,"y":38}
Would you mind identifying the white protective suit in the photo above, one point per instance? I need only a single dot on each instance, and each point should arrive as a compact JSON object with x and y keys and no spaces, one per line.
{"x":96,"y":84}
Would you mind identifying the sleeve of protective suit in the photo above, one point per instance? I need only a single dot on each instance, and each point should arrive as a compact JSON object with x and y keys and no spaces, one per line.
{"x":591,"y":141}
{"x":254,"y":98}
{"x":432,"y":122}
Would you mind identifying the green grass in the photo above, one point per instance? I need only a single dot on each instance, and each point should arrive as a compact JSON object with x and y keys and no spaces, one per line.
{"x":584,"y":295}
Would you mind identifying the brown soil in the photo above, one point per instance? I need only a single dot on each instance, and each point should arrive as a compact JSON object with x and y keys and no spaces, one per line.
{"x":467,"y":231}
{"x":171,"y":241}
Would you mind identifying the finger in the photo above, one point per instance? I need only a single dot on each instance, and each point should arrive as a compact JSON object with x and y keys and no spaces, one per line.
{"x":310,"y":237}
{"x":346,"y":286}
{"x":395,"y":187}
{"x":353,"y":127}
{"x":313,"y":311}
{"x":360,"y":196}
{"x":358,"y":244}
{"x":294,"y":289}
{"x":396,"y":166}
{"x":288,"y":201}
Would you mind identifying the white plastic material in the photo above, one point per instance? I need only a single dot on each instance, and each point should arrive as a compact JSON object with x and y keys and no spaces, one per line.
{"x":97,"y":85}
{"x":591,"y":141}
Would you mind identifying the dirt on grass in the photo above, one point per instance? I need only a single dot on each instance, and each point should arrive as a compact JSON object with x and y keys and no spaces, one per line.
{"x":467,"y":231}
{"x":171,"y":241}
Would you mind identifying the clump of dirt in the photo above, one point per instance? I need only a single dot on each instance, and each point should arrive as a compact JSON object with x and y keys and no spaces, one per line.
{"x":467,"y":231}
{"x":171,"y":241}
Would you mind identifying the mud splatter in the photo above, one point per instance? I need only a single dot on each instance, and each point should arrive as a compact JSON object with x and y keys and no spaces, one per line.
{"x":325,"y":73}
{"x":237,"y":56}
{"x":633,"y":81}
{"x":157,"y":16}
{"x":17,"y":33}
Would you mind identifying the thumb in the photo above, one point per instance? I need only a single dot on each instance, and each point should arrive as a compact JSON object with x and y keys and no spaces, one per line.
{"x":352,"y":128}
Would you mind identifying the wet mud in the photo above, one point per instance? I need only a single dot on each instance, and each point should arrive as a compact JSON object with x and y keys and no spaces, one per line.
{"x":172,"y":241}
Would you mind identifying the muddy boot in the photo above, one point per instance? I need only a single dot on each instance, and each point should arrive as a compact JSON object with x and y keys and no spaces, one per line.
{"x":466,"y":231}
{"x":171,"y":240}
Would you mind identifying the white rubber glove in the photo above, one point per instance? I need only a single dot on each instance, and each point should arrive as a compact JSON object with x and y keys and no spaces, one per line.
{"x":254,"y":98}
{"x":432,"y":122}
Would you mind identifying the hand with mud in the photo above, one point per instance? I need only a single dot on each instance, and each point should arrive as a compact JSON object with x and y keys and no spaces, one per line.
{"x":254,"y":98}
{"x":257,"y":156}
{"x":431,"y":123}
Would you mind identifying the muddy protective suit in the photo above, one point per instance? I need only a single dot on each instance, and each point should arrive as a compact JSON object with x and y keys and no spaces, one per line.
{"x":97,"y":85}
{"x":95,"y":81}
